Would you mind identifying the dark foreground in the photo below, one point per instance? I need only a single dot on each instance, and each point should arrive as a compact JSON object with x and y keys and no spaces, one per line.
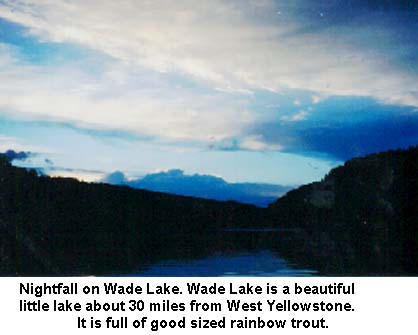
{"x":360,"y":220}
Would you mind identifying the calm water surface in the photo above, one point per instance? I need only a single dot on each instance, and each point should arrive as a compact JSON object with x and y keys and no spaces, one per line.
{"x":234,"y":252}
{"x":259,"y":263}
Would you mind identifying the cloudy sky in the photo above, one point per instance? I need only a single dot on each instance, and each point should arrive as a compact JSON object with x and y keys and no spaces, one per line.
{"x":249,"y":90}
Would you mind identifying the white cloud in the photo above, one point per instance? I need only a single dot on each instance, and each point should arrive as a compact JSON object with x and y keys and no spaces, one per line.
{"x":234,"y":45}
{"x":16,"y":144}
{"x":118,"y":100}
{"x":82,"y":175}
{"x":184,"y":71}
{"x":316,"y":99}
{"x":299,"y":116}
{"x":257,"y":143}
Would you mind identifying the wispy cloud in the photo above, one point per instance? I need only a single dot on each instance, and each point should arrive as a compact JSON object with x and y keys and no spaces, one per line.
{"x":235,"y":45}
{"x":257,"y":143}
{"x":117,"y":99}
{"x":299,"y":116}
{"x":316,"y":99}
{"x":14,"y":143}
{"x":205,"y":82}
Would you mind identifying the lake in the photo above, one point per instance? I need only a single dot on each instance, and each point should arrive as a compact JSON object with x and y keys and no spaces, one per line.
{"x":263,"y":263}
{"x":240,"y":252}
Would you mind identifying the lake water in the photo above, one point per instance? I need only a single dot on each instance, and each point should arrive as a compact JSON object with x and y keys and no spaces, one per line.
{"x":258,"y":263}
{"x":234,"y":252}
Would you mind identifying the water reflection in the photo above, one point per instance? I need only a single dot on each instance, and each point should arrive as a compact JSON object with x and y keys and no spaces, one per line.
{"x":263,"y":263}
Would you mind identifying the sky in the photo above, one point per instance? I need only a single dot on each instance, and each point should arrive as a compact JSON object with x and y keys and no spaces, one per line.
{"x":258,"y":91}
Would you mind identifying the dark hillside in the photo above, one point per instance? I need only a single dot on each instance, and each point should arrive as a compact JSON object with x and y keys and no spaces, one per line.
{"x":360,"y":219}
{"x":62,"y":226}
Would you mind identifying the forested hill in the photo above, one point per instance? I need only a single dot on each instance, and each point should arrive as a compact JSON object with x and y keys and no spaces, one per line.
{"x":362,"y":218}
{"x":59,"y":226}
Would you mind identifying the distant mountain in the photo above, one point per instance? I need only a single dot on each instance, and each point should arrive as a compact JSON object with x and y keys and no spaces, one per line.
{"x":362,"y":218}
{"x":60,"y":226}
{"x":202,"y":186}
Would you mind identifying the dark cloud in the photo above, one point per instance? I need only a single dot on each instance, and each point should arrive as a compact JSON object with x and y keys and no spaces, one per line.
{"x":348,"y":141}
{"x":342,"y":11}
{"x":23,"y":157}
{"x":344,"y":140}
{"x":381,"y":28}
{"x":345,"y":127}
{"x":12,"y":155}
{"x":203,"y":186}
